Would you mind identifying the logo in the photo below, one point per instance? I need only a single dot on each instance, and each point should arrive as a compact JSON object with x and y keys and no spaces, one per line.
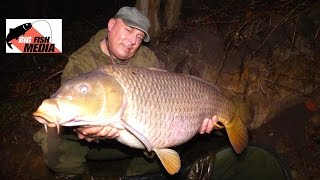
{"x":33,"y":36}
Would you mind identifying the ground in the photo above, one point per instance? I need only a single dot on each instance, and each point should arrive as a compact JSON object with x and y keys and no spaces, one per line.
{"x":290,"y":133}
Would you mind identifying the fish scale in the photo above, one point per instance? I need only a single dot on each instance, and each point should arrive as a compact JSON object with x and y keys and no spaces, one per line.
{"x":188,"y":97}
{"x":151,"y":109}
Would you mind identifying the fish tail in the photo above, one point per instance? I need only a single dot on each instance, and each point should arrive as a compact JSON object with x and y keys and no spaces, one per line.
{"x":9,"y":44}
{"x":237,"y":129}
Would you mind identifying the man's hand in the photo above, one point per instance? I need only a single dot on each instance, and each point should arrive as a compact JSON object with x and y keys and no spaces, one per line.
{"x":97,"y":133}
{"x":208,"y":125}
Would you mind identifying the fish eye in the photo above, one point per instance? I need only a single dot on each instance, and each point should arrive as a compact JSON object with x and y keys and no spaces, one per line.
{"x":84,"y":89}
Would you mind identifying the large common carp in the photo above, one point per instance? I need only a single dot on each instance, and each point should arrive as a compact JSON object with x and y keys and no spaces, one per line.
{"x":153,"y":109}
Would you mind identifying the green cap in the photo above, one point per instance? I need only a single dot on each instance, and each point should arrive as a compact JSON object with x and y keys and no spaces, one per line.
{"x":132,"y":17}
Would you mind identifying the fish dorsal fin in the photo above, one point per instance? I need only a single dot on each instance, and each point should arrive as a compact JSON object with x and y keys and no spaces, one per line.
{"x":170,"y":159}
{"x":204,"y":81}
{"x":156,"y":69}
{"x":190,"y":76}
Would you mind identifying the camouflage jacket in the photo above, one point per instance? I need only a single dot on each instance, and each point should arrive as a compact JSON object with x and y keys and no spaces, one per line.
{"x":90,"y":57}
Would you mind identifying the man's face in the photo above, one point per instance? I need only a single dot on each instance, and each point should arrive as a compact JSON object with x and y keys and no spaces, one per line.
{"x":124,"y":41}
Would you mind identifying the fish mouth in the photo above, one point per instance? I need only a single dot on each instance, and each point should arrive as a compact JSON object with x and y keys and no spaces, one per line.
{"x":46,"y":120}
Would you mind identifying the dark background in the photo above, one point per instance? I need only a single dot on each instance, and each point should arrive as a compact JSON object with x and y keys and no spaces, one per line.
{"x":23,"y":77}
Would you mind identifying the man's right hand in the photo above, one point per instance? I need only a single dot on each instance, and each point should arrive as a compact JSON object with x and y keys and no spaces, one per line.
{"x":95,"y":133}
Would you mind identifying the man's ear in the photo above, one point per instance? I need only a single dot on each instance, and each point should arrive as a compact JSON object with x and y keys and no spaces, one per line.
{"x":111,"y":23}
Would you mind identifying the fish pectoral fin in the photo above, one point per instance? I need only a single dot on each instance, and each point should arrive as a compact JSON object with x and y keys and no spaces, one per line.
{"x":238,"y":135}
{"x":136,"y":133}
{"x":170,"y":159}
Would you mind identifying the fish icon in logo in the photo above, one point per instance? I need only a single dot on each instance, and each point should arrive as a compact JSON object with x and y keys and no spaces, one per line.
{"x":16,"y":32}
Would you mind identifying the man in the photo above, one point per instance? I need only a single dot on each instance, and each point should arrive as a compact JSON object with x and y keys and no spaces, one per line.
{"x":120,"y":43}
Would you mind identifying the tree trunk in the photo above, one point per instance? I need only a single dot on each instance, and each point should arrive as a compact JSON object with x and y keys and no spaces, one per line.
{"x":172,"y":13}
{"x":150,"y":8}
